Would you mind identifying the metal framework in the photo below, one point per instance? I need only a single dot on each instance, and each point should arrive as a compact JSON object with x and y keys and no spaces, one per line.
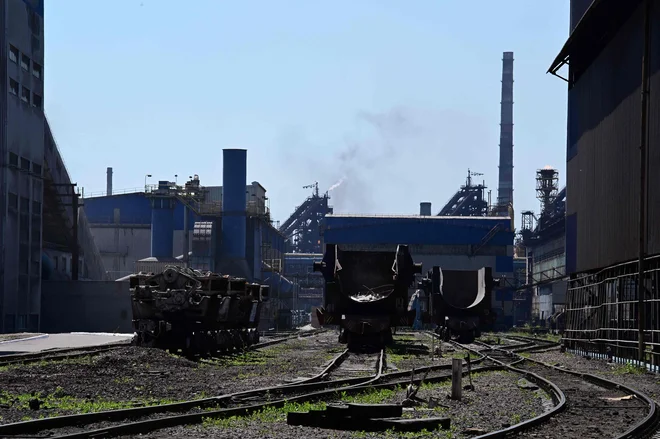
{"x":303,"y":227}
{"x":602,"y":312}
{"x":468,"y":201}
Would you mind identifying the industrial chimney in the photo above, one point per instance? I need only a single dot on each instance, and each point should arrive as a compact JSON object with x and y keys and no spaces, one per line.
{"x":425,"y":208}
{"x":505,"y":184}
{"x":234,"y":214}
{"x":108,"y":188}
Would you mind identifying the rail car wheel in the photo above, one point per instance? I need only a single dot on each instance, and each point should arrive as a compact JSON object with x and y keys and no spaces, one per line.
{"x":466,"y":337}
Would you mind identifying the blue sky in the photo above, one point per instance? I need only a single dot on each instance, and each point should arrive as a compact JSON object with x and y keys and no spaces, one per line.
{"x":398,"y":98}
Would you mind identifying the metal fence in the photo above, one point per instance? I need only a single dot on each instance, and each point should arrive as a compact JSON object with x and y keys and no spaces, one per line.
{"x":602,"y":313}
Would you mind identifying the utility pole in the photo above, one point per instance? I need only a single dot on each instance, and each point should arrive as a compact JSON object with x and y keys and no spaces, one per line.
{"x":643,"y":147}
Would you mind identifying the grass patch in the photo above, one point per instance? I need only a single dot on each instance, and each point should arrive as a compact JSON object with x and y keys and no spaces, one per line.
{"x":86,"y":360}
{"x":59,"y":400}
{"x":267,"y":415}
{"x":246,"y":358}
{"x":628,"y":369}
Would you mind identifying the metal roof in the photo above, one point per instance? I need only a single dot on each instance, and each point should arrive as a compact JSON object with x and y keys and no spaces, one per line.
{"x":592,"y":33}
{"x":423,"y":217}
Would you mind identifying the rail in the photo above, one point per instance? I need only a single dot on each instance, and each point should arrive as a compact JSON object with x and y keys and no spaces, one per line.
{"x":641,"y":428}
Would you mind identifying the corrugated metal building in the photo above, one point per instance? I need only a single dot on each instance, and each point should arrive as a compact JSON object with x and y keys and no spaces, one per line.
{"x":603,"y":169}
{"x":121,"y":226}
{"x":457,"y":243}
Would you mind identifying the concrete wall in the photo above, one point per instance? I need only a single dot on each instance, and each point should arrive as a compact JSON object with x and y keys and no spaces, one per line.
{"x":94,"y":306}
{"x":121,"y":246}
{"x":21,"y":142}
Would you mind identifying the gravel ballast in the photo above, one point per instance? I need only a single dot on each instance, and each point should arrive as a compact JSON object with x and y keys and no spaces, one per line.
{"x":479,"y":411}
{"x":636,"y":378}
{"x":134,"y":376}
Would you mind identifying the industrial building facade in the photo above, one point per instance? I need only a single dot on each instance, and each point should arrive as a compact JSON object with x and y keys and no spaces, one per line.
{"x":22,"y":160}
{"x":603,"y":158}
{"x":43,"y":236}
{"x":607,"y":307}
{"x":122,"y":228}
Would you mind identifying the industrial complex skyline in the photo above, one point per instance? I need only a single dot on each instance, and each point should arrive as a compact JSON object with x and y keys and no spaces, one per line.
{"x":357,"y":98}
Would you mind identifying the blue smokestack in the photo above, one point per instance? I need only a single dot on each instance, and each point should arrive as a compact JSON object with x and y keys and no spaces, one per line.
{"x":234,"y":200}
{"x":162,"y":227}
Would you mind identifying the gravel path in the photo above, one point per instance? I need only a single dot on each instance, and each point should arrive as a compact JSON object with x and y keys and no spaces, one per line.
{"x":591,"y":412}
{"x":134,"y":376}
{"x":480,"y":410}
{"x":638,"y":379}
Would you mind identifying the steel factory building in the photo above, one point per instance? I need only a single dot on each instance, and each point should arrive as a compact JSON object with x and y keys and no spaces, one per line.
{"x":45,"y":242}
{"x":604,"y":54}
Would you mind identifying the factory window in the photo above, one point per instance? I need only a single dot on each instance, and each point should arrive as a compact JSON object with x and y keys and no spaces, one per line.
{"x":13,"y":159}
{"x":36,"y":70}
{"x":36,"y":208}
{"x":57,"y":262}
{"x":25,"y":94}
{"x":21,"y":321}
{"x":25,"y":204}
{"x":24,"y":235}
{"x":25,"y":62}
{"x":13,"y":200}
{"x":13,"y":53}
{"x":37,"y":101}
{"x":36,"y":169}
{"x":25,"y":164}
{"x":64,"y":264}
{"x":23,"y":264}
{"x":13,"y":87}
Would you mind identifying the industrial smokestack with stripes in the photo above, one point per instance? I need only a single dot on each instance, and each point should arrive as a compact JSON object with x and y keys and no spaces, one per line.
{"x":505,"y":184}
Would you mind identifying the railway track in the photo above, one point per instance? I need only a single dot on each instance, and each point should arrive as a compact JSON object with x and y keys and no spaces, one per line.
{"x":145,"y":419}
{"x":586,"y":406}
{"x":70,"y":353}
{"x":150,"y":418}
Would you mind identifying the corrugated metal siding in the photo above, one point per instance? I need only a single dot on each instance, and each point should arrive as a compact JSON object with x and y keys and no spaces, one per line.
{"x":413,"y":230}
{"x":578,"y":8}
{"x":133,"y":209}
{"x":571,"y":243}
{"x":654,"y":138}
{"x":603,"y":177}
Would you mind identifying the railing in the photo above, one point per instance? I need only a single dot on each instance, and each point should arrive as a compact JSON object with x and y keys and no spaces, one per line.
{"x":114,"y":192}
{"x":123,"y":221}
{"x":602,"y":312}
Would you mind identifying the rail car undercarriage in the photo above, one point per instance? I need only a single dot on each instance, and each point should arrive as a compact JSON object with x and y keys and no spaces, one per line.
{"x":366,"y":294}
{"x":197,"y":313}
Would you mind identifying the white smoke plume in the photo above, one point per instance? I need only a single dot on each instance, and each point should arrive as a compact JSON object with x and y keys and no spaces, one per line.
{"x":337,"y":184}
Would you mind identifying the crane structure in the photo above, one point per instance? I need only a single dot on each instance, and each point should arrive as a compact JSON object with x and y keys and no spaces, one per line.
{"x":303,"y":227}
{"x":470,"y":200}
